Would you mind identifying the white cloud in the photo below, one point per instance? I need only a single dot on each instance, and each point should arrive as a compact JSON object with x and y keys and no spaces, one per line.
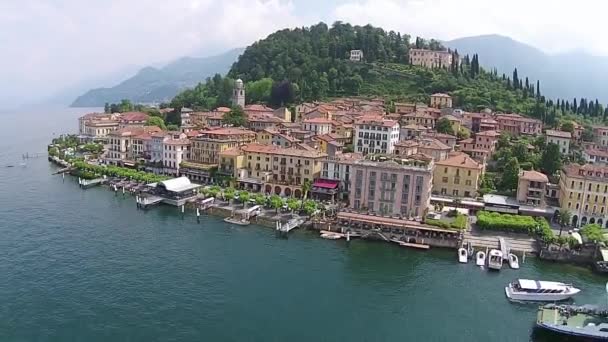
{"x":553,"y":26}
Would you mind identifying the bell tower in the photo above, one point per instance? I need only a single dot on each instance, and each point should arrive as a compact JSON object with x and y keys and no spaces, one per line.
{"x":238,"y":94}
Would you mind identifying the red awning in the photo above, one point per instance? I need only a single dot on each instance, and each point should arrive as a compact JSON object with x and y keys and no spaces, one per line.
{"x":325,"y":183}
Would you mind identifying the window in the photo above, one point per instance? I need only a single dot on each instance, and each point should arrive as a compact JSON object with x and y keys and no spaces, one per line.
{"x":445,"y":170}
{"x":468,"y":182}
{"x":444,"y":179}
{"x":455,"y":193}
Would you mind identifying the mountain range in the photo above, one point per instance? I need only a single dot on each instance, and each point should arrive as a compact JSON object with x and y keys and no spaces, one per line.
{"x":152,"y":84}
{"x":563,"y":75}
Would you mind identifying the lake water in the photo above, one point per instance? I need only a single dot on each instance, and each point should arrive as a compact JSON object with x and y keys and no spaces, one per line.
{"x":87,"y":266}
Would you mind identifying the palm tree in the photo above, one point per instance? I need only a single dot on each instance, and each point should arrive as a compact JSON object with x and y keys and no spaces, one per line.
{"x":564,"y":220}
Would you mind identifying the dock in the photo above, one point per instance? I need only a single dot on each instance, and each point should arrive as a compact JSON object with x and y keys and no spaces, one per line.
{"x":504,"y":248}
{"x":410,"y":244}
{"x":289,"y":225}
{"x":85,"y":183}
{"x":516,"y":243}
{"x":144,"y":202}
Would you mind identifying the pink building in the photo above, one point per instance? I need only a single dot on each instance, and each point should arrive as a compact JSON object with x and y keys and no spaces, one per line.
{"x":392,"y":185}
{"x":515,"y":124}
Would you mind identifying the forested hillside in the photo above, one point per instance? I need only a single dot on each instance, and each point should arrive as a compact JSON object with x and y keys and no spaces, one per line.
{"x":313,"y":63}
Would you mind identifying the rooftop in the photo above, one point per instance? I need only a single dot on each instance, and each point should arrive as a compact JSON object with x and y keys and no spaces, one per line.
{"x":559,"y":134}
{"x":460,"y":160}
{"x":534,"y":176}
{"x":376,"y":121}
{"x":179,"y":184}
{"x":272,"y":149}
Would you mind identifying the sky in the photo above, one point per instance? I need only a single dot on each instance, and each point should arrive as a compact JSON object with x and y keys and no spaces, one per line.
{"x":51,"y":45}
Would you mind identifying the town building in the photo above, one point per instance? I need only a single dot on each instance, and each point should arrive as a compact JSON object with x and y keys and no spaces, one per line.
{"x":428,"y":146}
{"x":459,"y":176}
{"x":559,"y":138}
{"x":482,"y":146}
{"x":208,"y":145}
{"x":96,"y":126}
{"x":532,"y":187}
{"x":583,"y":192}
{"x":517,"y":125}
{"x":447,"y":139}
{"x":594,"y":155}
{"x":421,"y":118}
{"x":356,"y":55}
{"x":238,"y":94}
{"x":430,"y":58}
{"x":273,"y":169}
{"x":176,"y":149}
{"x":122,"y":150}
{"x":412,"y":131}
{"x":374,"y":134}
{"x":440,"y":100}
{"x":259,"y":122}
{"x":392,"y":185}
{"x":600,"y":135}
{"x":318,"y":126}
{"x":337,"y":168}
{"x":279,"y":137}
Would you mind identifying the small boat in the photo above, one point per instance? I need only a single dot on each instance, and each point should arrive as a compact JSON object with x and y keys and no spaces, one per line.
{"x":463,"y":256}
{"x":331,"y":236}
{"x":581,"y":322}
{"x":513,"y":261}
{"x":470,"y":250}
{"x":234,"y":220}
{"x":481,"y":258}
{"x":495,"y":259}
{"x":539,"y":291}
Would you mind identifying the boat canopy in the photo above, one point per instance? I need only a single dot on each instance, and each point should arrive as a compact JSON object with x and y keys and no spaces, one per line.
{"x":528,"y":284}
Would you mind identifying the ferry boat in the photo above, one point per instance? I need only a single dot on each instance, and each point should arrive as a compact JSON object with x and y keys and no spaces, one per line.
{"x":535,"y":290}
{"x":495,"y":259}
{"x":587,"y":322}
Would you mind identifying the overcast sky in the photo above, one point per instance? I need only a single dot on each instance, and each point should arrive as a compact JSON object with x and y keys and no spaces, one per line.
{"x":48,"y":45}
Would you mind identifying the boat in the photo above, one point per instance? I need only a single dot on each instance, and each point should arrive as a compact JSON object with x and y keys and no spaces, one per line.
{"x":234,"y":220}
{"x":538,"y":291}
{"x":331,"y":236}
{"x":481,"y":258}
{"x":513,"y":261}
{"x":463,"y":256}
{"x":582,"y":322}
{"x":470,"y":250}
{"x":495,"y":259}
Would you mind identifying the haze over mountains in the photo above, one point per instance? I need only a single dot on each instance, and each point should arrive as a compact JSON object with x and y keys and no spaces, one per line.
{"x":564,"y":75}
{"x":152,"y":84}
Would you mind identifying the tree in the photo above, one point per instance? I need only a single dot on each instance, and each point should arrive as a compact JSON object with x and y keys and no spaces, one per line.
{"x":444,"y":126}
{"x":282,"y":93}
{"x":276,"y":202}
{"x":593,"y":232}
{"x":463,"y":133}
{"x":156,"y":121}
{"x":587,"y":134}
{"x":235,"y":117}
{"x":260,"y":199}
{"x":564,"y":220}
{"x":172,"y":127}
{"x":229,"y":194}
{"x":550,"y":161}
{"x":293,"y":204}
{"x":520,"y":151}
{"x":567,"y":126}
{"x":244,"y":197}
{"x":259,"y":91}
{"x":510,"y":175}
{"x":106,"y":108}
{"x":504,"y":140}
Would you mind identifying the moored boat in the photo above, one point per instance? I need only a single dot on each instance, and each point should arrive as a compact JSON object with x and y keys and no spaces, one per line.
{"x":463,"y":256}
{"x":331,"y":236}
{"x":587,"y":322}
{"x":481,"y":258}
{"x":538,"y":291}
{"x":495,"y":259}
{"x":234,"y":220}
{"x":513,"y":261}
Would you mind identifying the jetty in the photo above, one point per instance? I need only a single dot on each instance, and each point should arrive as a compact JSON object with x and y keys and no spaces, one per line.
{"x":89,"y":183}
{"x":144,"y":202}
{"x":289,"y":225}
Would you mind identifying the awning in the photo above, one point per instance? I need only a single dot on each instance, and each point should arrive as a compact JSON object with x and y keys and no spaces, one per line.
{"x":325,"y":184}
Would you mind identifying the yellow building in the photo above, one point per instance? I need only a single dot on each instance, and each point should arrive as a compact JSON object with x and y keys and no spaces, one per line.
{"x":457,"y":176}
{"x":584,"y":192}
{"x":206,"y":147}
{"x":271,"y":168}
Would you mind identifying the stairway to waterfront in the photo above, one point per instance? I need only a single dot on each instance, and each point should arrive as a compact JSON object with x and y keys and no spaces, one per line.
{"x":517,"y":243}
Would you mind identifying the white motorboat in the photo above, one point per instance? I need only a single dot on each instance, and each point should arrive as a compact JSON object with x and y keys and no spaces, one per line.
{"x":535,"y":290}
{"x":331,"y":236}
{"x":495,"y":259}
{"x":513,"y":261}
{"x":463,"y":256}
{"x":481,"y":258}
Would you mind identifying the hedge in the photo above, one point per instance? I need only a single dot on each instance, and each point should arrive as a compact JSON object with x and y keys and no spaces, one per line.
{"x":516,"y":223}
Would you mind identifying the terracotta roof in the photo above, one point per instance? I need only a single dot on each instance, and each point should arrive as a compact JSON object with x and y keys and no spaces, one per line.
{"x":177,"y":142}
{"x":451,"y":117}
{"x":415,"y":126}
{"x":488,"y":134}
{"x":467,"y":141}
{"x":559,"y":134}
{"x":434,"y":144}
{"x":228,"y":131}
{"x":597,"y":152}
{"x":305,"y":147}
{"x":438,"y":135}
{"x":133,"y":116}
{"x":572,"y":170}
{"x":375,"y":120}
{"x":235,"y":151}
{"x":258,"y":107}
{"x":534,"y":176}
{"x":133,"y":131}
{"x":461,"y":160}
{"x":271,"y":149}
{"x":223,"y":109}
{"x":407,"y":143}
{"x":318,"y":121}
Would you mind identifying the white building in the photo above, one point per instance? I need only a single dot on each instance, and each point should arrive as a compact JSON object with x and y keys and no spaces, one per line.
{"x":319,"y":126}
{"x":375,"y":134}
{"x":338,"y":168}
{"x":559,"y":138}
{"x":176,"y":148}
{"x":356,"y":55}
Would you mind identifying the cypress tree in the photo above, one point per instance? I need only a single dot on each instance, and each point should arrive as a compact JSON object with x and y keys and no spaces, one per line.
{"x":527,"y":84}
{"x":515,"y":79}
{"x":538,"y":89}
{"x":574,"y":107}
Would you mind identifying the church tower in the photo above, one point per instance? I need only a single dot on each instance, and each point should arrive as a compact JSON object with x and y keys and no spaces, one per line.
{"x":238,"y":94}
